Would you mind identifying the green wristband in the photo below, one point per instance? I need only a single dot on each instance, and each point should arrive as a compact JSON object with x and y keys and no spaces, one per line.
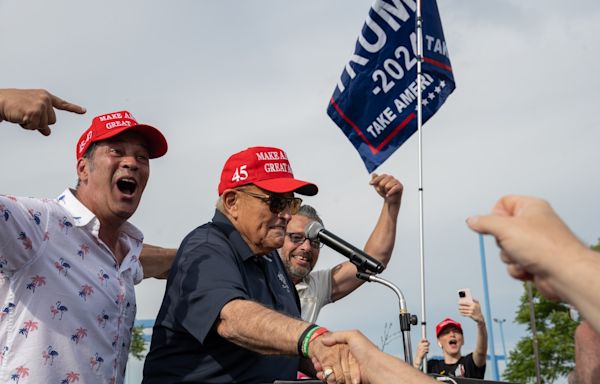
{"x":306,"y":340}
{"x":302,"y":338}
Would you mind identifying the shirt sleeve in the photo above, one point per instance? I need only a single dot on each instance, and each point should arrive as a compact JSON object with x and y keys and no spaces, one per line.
{"x":23,"y":231}
{"x":207,"y":277}
{"x":433,"y":366}
{"x":471,"y":369}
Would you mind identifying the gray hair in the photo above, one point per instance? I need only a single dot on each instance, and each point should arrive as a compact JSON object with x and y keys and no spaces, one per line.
{"x":219,"y":205}
{"x":309,"y":212}
{"x":89,"y":152}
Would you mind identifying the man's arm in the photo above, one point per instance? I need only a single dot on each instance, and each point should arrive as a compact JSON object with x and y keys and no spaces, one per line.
{"x":587,"y":355}
{"x":260,"y":329}
{"x":479,"y":354}
{"x":33,"y":108}
{"x":537,"y":245}
{"x":381,"y":242}
{"x":473,"y":310}
{"x":157,"y":261}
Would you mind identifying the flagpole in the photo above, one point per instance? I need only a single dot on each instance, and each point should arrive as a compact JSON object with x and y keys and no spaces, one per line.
{"x":419,"y":126}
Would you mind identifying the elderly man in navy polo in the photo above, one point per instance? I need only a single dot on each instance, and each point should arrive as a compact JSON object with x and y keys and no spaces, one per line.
{"x":230,"y":312}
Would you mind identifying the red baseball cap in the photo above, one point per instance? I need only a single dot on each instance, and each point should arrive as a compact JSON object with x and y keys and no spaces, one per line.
{"x":447,"y":322}
{"x":267,"y":168}
{"x":111,"y":124}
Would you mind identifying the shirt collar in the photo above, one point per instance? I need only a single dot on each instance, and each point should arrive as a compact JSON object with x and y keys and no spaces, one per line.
{"x":223,"y":223}
{"x":82,"y":216}
{"x":302,"y":285}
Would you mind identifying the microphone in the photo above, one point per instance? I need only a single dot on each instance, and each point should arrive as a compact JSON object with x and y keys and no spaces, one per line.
{"x":363,"y":262}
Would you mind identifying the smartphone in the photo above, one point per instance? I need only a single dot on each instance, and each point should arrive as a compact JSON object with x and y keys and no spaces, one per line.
{"x":464,"y":296}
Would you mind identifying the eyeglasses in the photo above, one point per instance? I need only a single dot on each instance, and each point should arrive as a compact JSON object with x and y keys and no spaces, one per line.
{"x":277,"y":203}
{"x":299,"y":238}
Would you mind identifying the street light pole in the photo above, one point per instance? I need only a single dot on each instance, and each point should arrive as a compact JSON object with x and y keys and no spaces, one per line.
{"x":488,"y":312}
{"x":500,"y":321}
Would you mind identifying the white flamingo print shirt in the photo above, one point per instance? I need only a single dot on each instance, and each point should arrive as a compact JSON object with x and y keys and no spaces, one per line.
{"x":66,"y":307}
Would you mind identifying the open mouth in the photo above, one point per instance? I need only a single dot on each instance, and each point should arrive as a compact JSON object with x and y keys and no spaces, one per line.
{"x":127,"y":185}
{"x":452,"y":342}
{"x":302,"y":259}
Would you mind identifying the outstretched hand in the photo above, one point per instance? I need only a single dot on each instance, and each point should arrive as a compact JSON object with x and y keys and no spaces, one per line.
{"x":33,"y":108}
{"x":534,"y":241}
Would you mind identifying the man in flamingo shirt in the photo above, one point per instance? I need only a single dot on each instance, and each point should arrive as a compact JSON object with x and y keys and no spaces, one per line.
{"x":68,"y":265}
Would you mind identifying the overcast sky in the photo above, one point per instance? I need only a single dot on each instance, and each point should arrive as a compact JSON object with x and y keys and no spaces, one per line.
{"x":217,"y":77}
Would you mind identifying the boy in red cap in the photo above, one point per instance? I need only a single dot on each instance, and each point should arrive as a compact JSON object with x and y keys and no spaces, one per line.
{"x":450,"y":339}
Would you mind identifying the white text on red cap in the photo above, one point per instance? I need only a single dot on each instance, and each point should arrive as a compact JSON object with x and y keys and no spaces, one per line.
{"x":85,"y":140}
{"x":119,"y":123}
{"x":271,"y":155}
{"x":113,"y":116}
{"x":278,"y":167}
{"x":274,"y":167}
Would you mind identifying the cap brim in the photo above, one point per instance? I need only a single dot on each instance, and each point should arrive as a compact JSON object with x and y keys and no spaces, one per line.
{"x":455,"y":325}
{"x":157,"y":144}
{"x":286,"y":185}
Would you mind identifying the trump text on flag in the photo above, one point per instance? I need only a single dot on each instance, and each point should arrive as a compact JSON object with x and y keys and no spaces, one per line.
{"x":375,"y":100}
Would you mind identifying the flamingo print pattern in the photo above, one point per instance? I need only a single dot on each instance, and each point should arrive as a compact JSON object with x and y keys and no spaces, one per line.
{"x":103,"y":277}
{"x":65,"y":224}
{"x":8,"y":308}
{"x":62,"y":266}
{"x":27,"y":244}
{"x":35,"y":216}
{"x":96,"y":362}
{"x":4,"y":212}
{"x":59,"y":308}
{"x":102,"y":319}
{"x":53,"y":269}
{"x":49,"y":354}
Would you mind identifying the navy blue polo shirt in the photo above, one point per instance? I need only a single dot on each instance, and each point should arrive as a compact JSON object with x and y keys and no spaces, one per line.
{"x":213,"y":266}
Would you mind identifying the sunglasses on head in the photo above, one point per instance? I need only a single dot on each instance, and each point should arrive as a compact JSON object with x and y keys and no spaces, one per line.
{"x":277,"y":203}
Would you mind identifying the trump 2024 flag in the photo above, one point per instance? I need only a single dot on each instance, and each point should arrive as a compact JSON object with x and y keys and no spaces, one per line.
{"x":375,"y":100}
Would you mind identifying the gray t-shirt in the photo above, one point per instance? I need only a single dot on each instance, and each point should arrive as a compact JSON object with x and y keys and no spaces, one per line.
{"x":315,"y":292}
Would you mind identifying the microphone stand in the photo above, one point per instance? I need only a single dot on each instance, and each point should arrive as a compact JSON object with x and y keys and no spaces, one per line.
{"x":406,"y":319}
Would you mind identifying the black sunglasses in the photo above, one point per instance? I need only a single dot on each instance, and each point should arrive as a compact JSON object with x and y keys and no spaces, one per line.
{"x":299,"y":238}
{"x":277,"y":203}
